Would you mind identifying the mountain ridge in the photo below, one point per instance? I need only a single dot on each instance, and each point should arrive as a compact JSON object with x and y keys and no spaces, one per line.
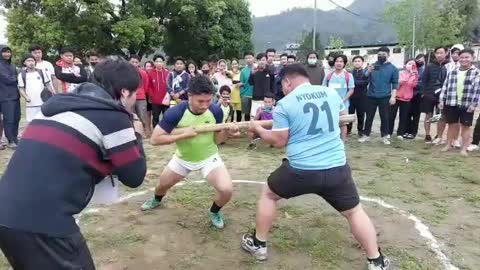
{"x":289,"y":26}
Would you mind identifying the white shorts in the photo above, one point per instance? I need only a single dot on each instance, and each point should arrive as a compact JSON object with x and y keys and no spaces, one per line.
{"x":255,"y":105}
{"x":31,"y":112}
{"x":183,"y":167}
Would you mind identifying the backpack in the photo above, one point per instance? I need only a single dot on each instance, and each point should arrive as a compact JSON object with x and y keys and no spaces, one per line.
{"x":347,"y":77}
{"x":45,"y":94}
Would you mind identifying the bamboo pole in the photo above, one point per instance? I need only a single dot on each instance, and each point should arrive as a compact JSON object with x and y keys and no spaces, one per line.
{"x":344,"y":119}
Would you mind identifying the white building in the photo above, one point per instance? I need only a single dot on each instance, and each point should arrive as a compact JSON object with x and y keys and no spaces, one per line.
{"x":369,"y":52}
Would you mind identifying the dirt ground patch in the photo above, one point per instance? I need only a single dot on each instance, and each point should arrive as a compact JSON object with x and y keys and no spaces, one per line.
{"x":440,"y":189}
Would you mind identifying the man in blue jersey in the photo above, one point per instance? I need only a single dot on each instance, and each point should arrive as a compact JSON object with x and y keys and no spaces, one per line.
{"x":306,"y":121}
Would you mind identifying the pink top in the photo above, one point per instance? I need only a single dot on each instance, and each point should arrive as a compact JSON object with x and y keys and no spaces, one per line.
{"x":408,"y":81}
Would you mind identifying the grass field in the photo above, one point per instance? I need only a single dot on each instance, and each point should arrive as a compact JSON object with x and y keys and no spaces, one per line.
{"x":443,"y":190}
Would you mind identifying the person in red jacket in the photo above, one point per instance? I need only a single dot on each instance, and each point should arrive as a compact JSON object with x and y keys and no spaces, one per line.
{"x":141,"y":103}
{"x":408,"y":82}
{"x":158,"y":88}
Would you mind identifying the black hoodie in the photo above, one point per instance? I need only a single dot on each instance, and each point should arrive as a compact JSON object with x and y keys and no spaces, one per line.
{"x":8,"y":78}
{"x":75,"y":142}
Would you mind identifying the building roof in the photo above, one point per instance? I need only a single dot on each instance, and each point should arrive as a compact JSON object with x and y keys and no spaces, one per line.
{"x":367,"y":46}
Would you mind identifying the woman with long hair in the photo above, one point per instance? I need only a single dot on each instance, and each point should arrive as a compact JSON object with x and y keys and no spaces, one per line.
{"x":235,"y":96}
{"x":408,"y":81}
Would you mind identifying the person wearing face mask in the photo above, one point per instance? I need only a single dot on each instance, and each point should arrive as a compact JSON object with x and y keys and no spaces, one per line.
{"x":382,"y":92}
{"x":408,"y":81}
{"x":330,"y":63}
{"x":70,"y":146}
{"x":414,"y":114}
{"x":314,"y":69}
{"x":93,"y":59}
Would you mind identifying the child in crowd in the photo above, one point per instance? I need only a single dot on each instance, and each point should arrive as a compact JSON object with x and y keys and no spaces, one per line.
{"x":34,"y":86}
{"x":263,"y":113}
{"x":225,"y":103}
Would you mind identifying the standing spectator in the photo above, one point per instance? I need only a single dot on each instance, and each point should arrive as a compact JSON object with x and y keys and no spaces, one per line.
{"x":148,"y":66}
{"x":225,"y":103}
{"x":315,"y":70}
{"x":222,"y":76}
{"x":32,"y":82}
{"x":270,"y":53}
{"x":43,"y":65}
{"x":140,"y":107}
{"x":178,"y":82}
{"x":343,"y":82}
{"x":459,"y":97}
{"x":330,"y":63}
{"x":382,"y":92}
{"x":77,"y":61}
{"x":262,"y":80}
{"x":68,"y":74}
{"x":415,"y":103}
{"x":358,"y":101}
{"x":74,"y":143}
{"x":236,"y":97}
{"x":408,"y":81}
{"x":9,"y":97}
{"x":246,"y":92}
{"x":192,"y":69}
{"x":205,"y":68}
{"x":93,"y":59}
{"x":265,"y":112}
{"x":433,"y":78}
{"x":158,"y":89}
{"x":476,"y":138}
{"x":454,"y":57}
{"x":278,"y":78}
{"x":291,"y":59}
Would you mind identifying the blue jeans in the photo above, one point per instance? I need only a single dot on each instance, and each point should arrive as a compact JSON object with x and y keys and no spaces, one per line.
{"x":10,"y":110}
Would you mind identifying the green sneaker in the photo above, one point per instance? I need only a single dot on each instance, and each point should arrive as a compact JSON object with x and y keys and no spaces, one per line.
{"x":151,"y":204}
{"x":217,"y":220}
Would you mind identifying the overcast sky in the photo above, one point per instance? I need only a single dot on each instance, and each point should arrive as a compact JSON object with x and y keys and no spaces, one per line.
{"x":258,"y":7}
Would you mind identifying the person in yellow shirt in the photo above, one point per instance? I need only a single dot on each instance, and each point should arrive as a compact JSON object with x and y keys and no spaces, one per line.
{"x":235,"y":96}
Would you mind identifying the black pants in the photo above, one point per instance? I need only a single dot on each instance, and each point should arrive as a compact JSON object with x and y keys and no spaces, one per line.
{"x":11,"y":119}
{"x":32,"y":251}
{"x":384,"y":108}
{"x":237,"y":115}
{"x":156,"y":111}
{"x":359,"y":106}
{"x":404,"y":108}
{"x":414,"y":115}
{"x":476,"y":133}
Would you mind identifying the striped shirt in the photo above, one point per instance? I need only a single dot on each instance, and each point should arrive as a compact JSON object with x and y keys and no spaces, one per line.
{"x":471,"y":90}
{"x":65,"y":151}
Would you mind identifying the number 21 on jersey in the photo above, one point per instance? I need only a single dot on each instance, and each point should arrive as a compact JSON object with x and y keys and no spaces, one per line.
{"x":315,"y":110}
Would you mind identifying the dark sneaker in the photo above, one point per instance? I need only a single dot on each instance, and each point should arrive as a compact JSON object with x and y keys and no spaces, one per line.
{"x":428,"y":139}
{"x":252,"y":146}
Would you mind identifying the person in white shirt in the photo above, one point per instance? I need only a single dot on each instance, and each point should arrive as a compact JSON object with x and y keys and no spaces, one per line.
{"x":31,"y":82}
{"x":45,"y":66}
{"x":454,"y":57}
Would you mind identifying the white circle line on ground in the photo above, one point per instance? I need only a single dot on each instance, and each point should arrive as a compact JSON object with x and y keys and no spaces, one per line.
{"x":422,"y":229}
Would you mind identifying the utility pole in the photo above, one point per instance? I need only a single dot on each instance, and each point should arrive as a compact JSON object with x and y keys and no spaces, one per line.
{"x":314,"y":25}
{"x":413,"y":31}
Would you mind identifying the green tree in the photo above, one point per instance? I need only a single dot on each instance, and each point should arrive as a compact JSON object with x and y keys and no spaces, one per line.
{"x":306,"y":46}
{"x":471,"y":10}
{"x":194,"y":29}
{"x":201,"y":28}
{"x":336,"y":43}
{"x":437,"y":23}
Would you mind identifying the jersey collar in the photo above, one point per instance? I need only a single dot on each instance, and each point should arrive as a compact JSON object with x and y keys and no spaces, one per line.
{"x":302,"y":85}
